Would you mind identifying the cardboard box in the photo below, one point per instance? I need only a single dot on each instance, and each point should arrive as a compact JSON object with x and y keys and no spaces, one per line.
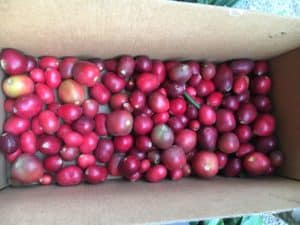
{"x":162,"y":29}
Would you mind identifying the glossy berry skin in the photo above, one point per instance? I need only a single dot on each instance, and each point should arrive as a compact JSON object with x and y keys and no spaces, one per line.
{"x":147,"y":82}
{"x":233,"y":167}
{"x":156,"y":173}
{"x":215,"y":99}
{"x":173,"y":158}
{"x":89,"y":143}
{"x":28,"y":142}
{"x":28,"y":106}
{"x":123,"y":143}
{"x":261,"y":85}
{"x":143,"y":143}
{"x":52,"y":77}
{"x":45,"y":93}
{"x":95,"y":174}
{"x":90,"y":108}
{"x":69,"y":153}
{"x":48,"y":62}
{"x":180,"y":73}
{"x":256,"y":164}
{"x":158,"y":68}
{"x":48,"y":144}
{"x":137,"y":99}
{"x":158,"y":102}
{"x":49,"y":121}
{"x":37,"y":75}
{"x":119,"y":123}
{"x":241,"y":84}
{"x":72,"y":139}
{"x":70,"y":91}
{"x":247,"y":113}
{"x":142,"y":125}
{"x":69,"y":176}
{"x":86,"y":160}
{"x":17,"y":85}
{"x":9,"y":143}
{"x":16,"y":125}
{"x":100,"y":93}
{"x":143,"y":64}
{"x":231,"y":102}
{"x":177,"y":106}
{"x":84,"y":125}
{"x":205,"y":88}
{"x":13,"y":61}
{"x":53,"y":163}
{"x":205,"y":164}
{"x":65,"y":67}
{"x":113,"y":82}
{"x":222,"y":159}
{"x":69,"y":112}
{"x":244,"y":133}
{"x":207,"y":137}
{"x":261,"y":68}
{"x":104,"y":150}
{"x":125,"y":67}
{"x":208,"y":70}
{"x":225,"y":120}
{"x":162,"y":136}
{"x":186,"y":139}
{"x":86,"y":73}
{"x":118,"y":101}
{"x":159,"y":118}
{"x":129,"y":165}
{"x":100,"y":124}
{"x":228,"y":143}
{"x":264,"y":125}
{"x":207,"y":115}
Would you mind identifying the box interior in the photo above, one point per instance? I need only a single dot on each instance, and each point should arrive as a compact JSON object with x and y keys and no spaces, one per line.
{"x":161,"y":29}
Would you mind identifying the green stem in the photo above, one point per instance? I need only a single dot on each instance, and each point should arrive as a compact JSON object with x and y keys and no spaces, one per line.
{"x":231,"y":2}
{"x":191,"y":100}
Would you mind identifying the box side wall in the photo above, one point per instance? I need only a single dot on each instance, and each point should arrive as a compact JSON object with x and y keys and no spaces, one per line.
{"x":286,"y":98}
{"x":122,"y":202}
{"x":3,"y":177}
{"x":159,"y":28}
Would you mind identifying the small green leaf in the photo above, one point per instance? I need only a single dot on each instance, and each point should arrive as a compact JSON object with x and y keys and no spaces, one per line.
{"x":211,"y":2}
{"x":230,"y":3}
{"x":232,"y":221}
{"x":213,"y":222}
{"x":194,"y":223}
{"x":252,"y":220}
{"x":189,"y":0}
{"x":220,"y":2}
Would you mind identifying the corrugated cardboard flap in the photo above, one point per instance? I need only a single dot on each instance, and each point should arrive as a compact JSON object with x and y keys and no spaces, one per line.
{"x":159,"y":28}
{"x":122,"y":202}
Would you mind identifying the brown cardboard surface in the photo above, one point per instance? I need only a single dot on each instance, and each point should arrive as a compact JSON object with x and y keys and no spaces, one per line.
{"x":286,"y":99}
{"x":163,"y":29}
{"x":122,"y":202}
{"x":159,"y":28}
